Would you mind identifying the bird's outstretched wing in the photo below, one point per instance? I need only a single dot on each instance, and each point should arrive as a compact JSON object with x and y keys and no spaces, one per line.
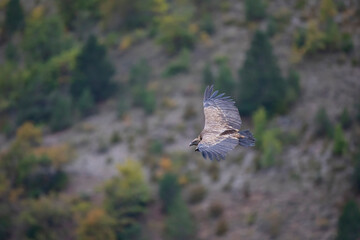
{"x":220,"y":111}
{"x":216,"y":147}
{"x":221,"y":116}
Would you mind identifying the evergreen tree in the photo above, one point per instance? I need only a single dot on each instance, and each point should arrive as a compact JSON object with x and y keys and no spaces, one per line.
{"x":255,"y":10}
{"x":225,"y":81}
{"x":261,"y":83}
{"x":349,"y":222}
{"x":61,"y":116}
{"x":169,"y":190}
{"x":85,"y":102}
{"x":14,"y":16}
{"x":179,"y":224}
{"x":93,"y":70}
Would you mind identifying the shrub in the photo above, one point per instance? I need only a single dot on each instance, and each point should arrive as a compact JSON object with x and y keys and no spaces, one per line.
{"x":347,"y":44}
{"x":140,"y":73}
{"x":271,"y":148}
{"x":255,"y":10}
{"x":156,"y":147}
{"x":14,"y":17}
{"x":93,"y":71}
{"x":179,"y":225}
{"x":349,"y":222}
{"x":115,"y":137}
{"x":85,"y":103}
{"x":97,"y":225}
{"x":293,"y":86}
{"x":44,"y":38}
{"x":126,"y":197}
{"x":221,"y":227}
{"x":345,"y":119}
{"x":29,"y":134}
{"x":259,"y":120}
{"x":45,"y":218}
{"x":261,"y":83}
{"x":323,"y":124}
{"x":122,"y":107}
{"x":197,"y":194}
{"x":207,"y":24}
{"x":169,"y":190}
{"x":215,"y":210}
{"x":61,"y":116}
{"x":340,"y":144}
{"x":179,"y":65}
{"x":327,"y":10}
{"x":174,"y":33}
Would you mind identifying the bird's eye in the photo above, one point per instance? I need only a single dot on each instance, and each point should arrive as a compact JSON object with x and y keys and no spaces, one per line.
{"x":200,"y":138}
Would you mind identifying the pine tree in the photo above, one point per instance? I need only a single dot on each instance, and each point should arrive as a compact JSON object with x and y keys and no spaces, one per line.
{"x":179,"y":224}
{"x":349,"y":222}
{"x":85,"y":103}
{"x":14,"y":17}
{"x":61,"y":116}
{"x":255,"y":10}
{"x":93,"y":70}
{"x":261,"y":83}
{"x":169,"y":190}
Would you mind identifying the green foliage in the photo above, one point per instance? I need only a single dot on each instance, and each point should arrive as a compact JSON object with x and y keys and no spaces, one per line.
{"x":179,"y":225}
{"x":261,"y":83}
{"x":169,"y":190}
{"x":347,"y":44}
{"x":293,"y":86}
{"x":345,"y":119}
{"x":323,"y":124}
{"x":179,"y":65}
{"x":70,"y":10}
{"x":349,"y":222}
{"x":45,"y":218}
{"x":332,"y":38}
{"x":208,"y":76}
{"x":260,"y":121}
{"x":327,"y":10}
{"x":115,"y":137}
{"x":97,"y":225}
{"x":255,"y":10}
{"x":85,"y":103}
{"x":11,"y":52}
{"x":127,"y":14}
{"x":14,"y":17}
{"x":225,"y":81}
{"x":174,"y":33}
{"x":356,"y":175}
{"x":207,"y":24}
{"x":122,"y":107}
{"x":44,"y":38}
{"x":61,"y":115}
{"x":271,"y":148}
{"x":139,"y":77}
{"x":340,"y":144}
{"x":156,"y":147}
{"x":126,"y":197}
{"x":93,"y":71}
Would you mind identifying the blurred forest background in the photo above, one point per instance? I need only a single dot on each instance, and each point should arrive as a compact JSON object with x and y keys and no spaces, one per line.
{"x":100,"y":99}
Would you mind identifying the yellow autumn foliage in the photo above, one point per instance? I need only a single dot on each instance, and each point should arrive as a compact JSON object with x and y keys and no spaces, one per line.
{"x":38,"y":12}
{"x":58,"y":154}
{"x":165,"y":163}
{"x":29,"y":134}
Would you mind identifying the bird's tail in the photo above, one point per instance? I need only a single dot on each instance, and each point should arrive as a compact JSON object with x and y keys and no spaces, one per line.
{"x":246,"y":139}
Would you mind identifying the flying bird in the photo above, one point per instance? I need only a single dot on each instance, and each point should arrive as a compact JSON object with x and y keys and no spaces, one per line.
{"x":221,"y":132}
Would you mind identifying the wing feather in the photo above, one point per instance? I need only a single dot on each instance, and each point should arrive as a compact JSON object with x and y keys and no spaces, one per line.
{"x":221,"y":109}
{"x":216,"y":148}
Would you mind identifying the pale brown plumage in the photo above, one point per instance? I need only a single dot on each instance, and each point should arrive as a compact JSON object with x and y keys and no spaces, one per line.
{"x":221,"y":132}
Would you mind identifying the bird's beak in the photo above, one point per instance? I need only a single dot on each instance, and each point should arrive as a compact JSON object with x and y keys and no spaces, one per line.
{"x":192,"y":144}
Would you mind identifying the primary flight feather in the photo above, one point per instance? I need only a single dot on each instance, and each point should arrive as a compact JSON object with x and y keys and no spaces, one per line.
{"x":221,"y":132}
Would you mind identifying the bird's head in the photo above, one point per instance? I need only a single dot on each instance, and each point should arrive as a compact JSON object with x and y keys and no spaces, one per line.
{"x":196,"y":141}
